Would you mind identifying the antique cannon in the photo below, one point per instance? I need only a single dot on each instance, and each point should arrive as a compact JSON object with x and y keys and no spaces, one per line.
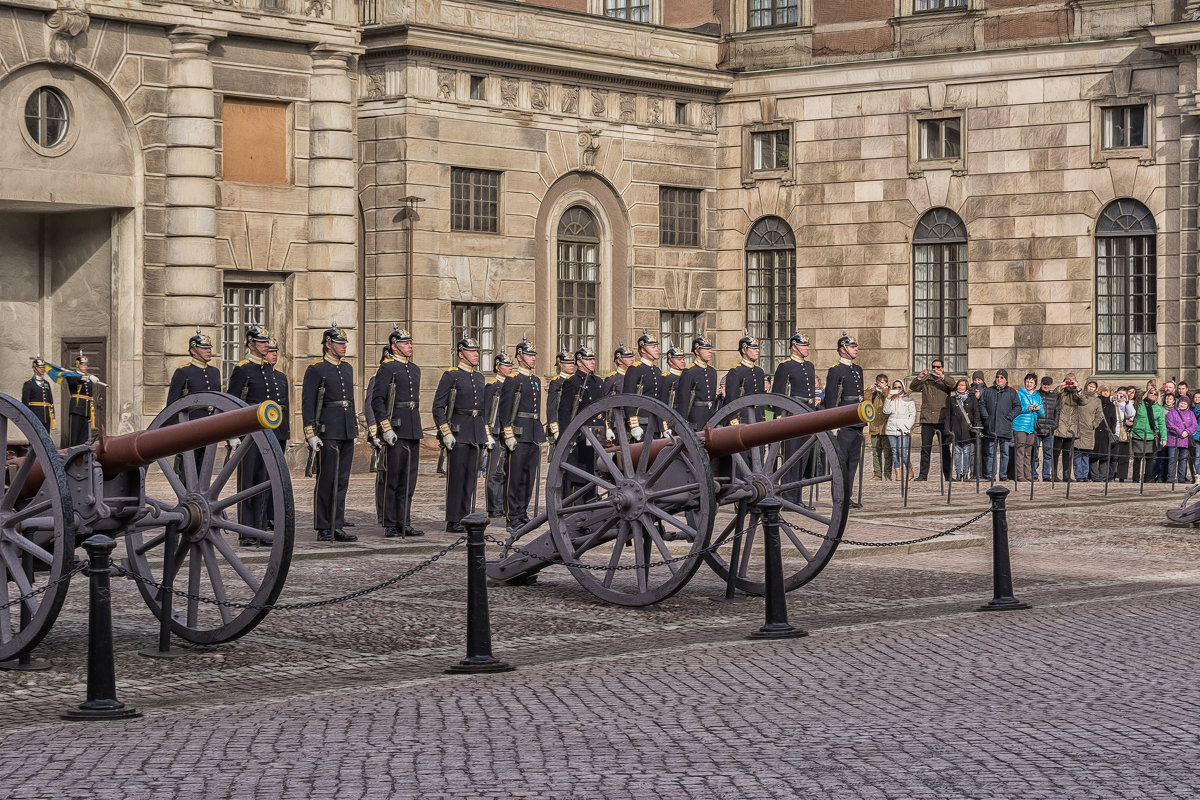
{"x":622,"y":527}
{"x":135,"y":486}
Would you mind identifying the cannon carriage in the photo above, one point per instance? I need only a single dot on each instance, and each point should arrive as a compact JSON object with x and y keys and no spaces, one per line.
{"x":634,"y":529}
{"x":137,"y":486}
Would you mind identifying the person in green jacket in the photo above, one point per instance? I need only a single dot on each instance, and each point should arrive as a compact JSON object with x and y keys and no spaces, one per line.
{"x":1148,"y":433}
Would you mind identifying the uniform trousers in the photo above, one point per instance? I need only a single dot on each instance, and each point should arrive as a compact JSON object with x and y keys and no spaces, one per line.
{"x":850,"y":442}
{"x":497,"y":481}
{"x":462,"y":468}
{"x":251,"y":472}
{"x":583,"y":457}
{"x":402,"y":460}
{"x":522,"y":471}
{"x":334,"y":460}
{"x":803,"y":468}
{"x":81,"y":429}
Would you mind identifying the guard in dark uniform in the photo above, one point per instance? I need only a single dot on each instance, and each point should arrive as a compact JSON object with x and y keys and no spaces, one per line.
{"x":668,"y":386}
{"x":844,"y":387}
{"x":580,"y":390}
{"x":645,"y":378}
{"x":496,"y":484}
{"x":277,"y":390}
{"x":397,"y":405}
{"x":566,"y":368}
{"x":36,"y":394}
{"x":196,"y":375}
{"x":696,"y":393}
{"x":745,"y":378}
{"x":82,"y":409}
{"x":458,"y":413}
{"x":330,"y":428}
{"x":797,"y":378}
{"x":378,"y":463}
{"x":249,"y":382}
{"x":623,"y":359}
{"x":521,"y":413}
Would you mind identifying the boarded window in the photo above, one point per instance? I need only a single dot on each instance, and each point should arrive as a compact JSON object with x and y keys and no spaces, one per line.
{"x":256,"y":141}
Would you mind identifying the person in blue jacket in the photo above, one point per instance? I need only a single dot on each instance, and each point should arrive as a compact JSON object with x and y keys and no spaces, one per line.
{"x":1023,"y":426}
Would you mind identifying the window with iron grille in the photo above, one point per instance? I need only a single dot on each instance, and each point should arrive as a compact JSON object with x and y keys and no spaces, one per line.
{"x":940,"y":291}
{"x":679,"y":217}
{"x":770,"y":150}
{"x":772,"y":13}
{"x":634,"y":10}
{"x":1124,"y":126}
{"x":771,"y":289}
{"x":940,"y":138}
{"x":474,"y":200}
{"x":578,"y":279}
{"x":242,"y":305}
{"x":677,"y":329}
{"x":940,"y":5}
{"x":476,"y":321}
{"x":1126,"y":289}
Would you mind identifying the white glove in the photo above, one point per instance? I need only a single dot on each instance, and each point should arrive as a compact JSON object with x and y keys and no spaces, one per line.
{"x":390,"y":437}
{"x":491,"y":442}
{"x":510,"y":443}
{"x":93,"y":379}
{"x":234,"y":444}
{"x":636,"y":432}
{"x":314,"y":442}
{"x":376,"y":442}
{"x":610,"y":435}
{"x":448,"y":441}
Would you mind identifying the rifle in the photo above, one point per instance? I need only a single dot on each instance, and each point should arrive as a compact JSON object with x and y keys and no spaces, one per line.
{"x":311,"y":466}
{"x":441,"y":465}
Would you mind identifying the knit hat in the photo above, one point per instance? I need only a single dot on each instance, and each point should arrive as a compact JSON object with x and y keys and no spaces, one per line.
{"x":978,"y":375}
{"x":1047,"y":380}
{"x":1002,"y":373}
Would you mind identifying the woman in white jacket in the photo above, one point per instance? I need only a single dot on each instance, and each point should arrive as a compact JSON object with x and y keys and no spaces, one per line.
{"x":899,"y":404}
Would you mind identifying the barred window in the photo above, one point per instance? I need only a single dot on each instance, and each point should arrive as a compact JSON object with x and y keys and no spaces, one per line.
{"x":633,"y":10}
{"x":477,"y":321}
{"x":771,"y":288}
{"x":772,"y":13}
{"x":679,"y":217}
{"x":939,"y":5}
{"x":578,"y":279}
{"x":1124,"y":126}
{"x":1126,"y":289}
{"x":770,"y":150}
{"x":242,"y":305}
{"x":940,"y":138}
{"x":677,"y":329}
{"x":940,"y":291}
{"x":474,"y":200}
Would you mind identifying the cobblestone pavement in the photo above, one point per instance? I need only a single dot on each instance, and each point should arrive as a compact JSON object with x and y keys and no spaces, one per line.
{"x":901,"y":690}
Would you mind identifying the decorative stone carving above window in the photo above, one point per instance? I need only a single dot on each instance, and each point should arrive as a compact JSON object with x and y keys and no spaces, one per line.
{"x":628,"y":107}
{"x":654,"y":110}
{"x":317,"y":8}
{"x":376,"y":81}
{"x":570,"y":99}
{"x":539,"y":96}
{"x":589,"y":145}
{"x":68,"y":23}
{"x":599,"y":103}
{"x":445,"y":84}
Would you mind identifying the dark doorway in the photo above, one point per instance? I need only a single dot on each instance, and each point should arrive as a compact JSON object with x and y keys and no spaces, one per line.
{"x":96,"y":351}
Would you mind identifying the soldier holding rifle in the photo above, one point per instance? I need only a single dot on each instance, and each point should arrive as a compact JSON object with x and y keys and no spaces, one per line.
{"x":330,"y":429}
{"x":520,"y":411}
{"x":458,"y":413}
{"x":396,"y":404}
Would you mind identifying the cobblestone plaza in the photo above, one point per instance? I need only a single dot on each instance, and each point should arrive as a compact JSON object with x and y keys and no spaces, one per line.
{"x":901,"y":690}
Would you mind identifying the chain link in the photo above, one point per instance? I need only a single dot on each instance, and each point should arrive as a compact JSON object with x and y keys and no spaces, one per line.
{"x":78,"y":568}
{"x":408,"y":573}
{"x":930,"y":537}
{"x":712,"y":548}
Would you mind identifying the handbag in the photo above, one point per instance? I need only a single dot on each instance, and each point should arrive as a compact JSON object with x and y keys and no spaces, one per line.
{"x":1123,"y":434}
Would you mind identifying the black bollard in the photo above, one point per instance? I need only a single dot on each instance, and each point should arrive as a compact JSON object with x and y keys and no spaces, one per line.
{"x":25,"y":661}
{"x":777,"y":626}
{"x":102,"y":702}
{"x":479,"y":635}
{"x":165,"y":598}
{"x":1002,"y":599}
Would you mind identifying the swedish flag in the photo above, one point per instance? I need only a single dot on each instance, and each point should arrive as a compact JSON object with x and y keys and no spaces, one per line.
{"x":57,"y":373}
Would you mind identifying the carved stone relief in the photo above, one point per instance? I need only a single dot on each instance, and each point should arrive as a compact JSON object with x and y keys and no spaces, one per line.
{"x":655,"y":110}
{"x":570,"y":99}
{"x":445,"y":84}
{"x":376,"y":81}
{"x":317,"y":8}
{"x":69,"y":22}
{"x":589,"y":145}
{"x":539,"y":96}
{"x":508,"y":91}
{"x":599,"y":103}
{"x":708,"y":116}
{"x":628,"y":107}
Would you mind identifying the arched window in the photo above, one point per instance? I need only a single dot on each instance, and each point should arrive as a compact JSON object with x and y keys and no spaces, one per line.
{"x":1126,"y":289}
{"x":771,"y":288}
{"x":940,"y":291}
{"x":578,"y":279}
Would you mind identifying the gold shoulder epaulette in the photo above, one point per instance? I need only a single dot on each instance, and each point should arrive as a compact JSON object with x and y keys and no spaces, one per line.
{"x":318,"y":361}
{"x":834,"y":364}
{"x":666,"y":372}
{"x":243,"y":362}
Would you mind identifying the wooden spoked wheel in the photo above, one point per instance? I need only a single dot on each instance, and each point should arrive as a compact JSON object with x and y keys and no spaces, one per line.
{"x":618,"y":511}
{"x":223,"y":509}
{"x":804,"y":474}
{"x":37,"y":533}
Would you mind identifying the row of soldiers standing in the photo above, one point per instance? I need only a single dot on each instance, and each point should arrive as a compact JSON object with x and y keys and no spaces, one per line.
{"x":81,"y":412}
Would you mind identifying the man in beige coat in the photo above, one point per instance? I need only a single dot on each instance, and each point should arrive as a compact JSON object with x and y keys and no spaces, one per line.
{"x":1081,"y":413}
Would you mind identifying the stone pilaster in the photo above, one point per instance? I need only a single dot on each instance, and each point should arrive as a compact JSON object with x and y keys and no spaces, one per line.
{"x":192,"y":282}
{"x":332,"y":222}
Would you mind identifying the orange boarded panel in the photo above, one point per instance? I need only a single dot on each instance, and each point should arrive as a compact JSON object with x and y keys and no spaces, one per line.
{"x":255,"y":141}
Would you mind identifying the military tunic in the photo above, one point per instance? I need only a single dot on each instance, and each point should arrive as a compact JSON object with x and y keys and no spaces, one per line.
{"x":797,"y":378}
{"x":465,"y":420}
{"x":254,"y":381}
{"x":696,"y":394}
{"x":496,"y":484}
{"x":378,"y":464}
{"x":645,"y":378}
{"x":553,"y":395}
{"x":194,"y":376}
{"x":744,"y":379}
{"x":82,"y":410}
{"x":844,"y":387}
{"x":578,"y":392}
{"x":36,"y":394}
{"x":336,"y":425}
{"x":400,"y":378}
{"x":521,"y":412}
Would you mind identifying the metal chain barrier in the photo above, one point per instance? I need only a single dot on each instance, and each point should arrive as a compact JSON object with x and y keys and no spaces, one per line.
{"x":79,"y":567}
{"x":408,"y":573}
{"x":712,"y":548}
{"x":932,"y":536}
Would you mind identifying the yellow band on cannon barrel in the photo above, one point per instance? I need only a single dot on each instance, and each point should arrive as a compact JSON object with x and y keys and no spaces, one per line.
{"x":270,"y":414}
{"x":866,"y":411}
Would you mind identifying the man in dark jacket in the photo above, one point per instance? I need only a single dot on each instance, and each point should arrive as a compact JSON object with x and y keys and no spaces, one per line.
{"x":934,"y":387}
{"x":1045,"y":425}
{"x":999,"y":407}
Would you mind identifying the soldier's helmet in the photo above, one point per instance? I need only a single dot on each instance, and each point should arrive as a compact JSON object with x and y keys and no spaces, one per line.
{"x":501,"y":360}
{"x":646,"y":339}
{"x":846,"y":340}
{"x":564,"y":357}
{"x":200,"y":339}
{"x":467,"y":343}
{"x":700,"y":342}
{"x":584,"y":352}
{"x":273,"y":347}
{"x":333,"y":334}
{"x":622,"y":352}
{"x":398,"y":334}
{"x":38,"y":361}
{"x":799,"y":338}
{"x":525,"y":347}
{"x":747,"y":341}
{"x":257,"y":333}
{"x":675,"y":352}
{"x":81,"y":359}
{"x":385,"y":355}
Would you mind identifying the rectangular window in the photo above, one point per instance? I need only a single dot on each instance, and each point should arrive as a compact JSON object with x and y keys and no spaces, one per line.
{"x":474,"y":200}
{"x":772,"y":13}
{"x":477,"y":321}
{"x":677,"y":329}
{"x":771,"y":303}
{"x":478,"y":87}
{"x":681,"y":113}
{"x":242,"y":305}
{"x":1124,"y":126}
{"x":255,"y":141}
{"x":633,"y":10}
{"x":578,"y":288}
{"x":939,"y":5}
{"x":940,"y":306}
{"x":940,"y":138}
{"x":1126,"y":300}
{"x":679,"y":217}
{"x":771,"y":150}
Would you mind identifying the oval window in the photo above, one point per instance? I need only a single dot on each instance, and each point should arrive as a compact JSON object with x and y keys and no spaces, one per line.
{"x":46,"y":116}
